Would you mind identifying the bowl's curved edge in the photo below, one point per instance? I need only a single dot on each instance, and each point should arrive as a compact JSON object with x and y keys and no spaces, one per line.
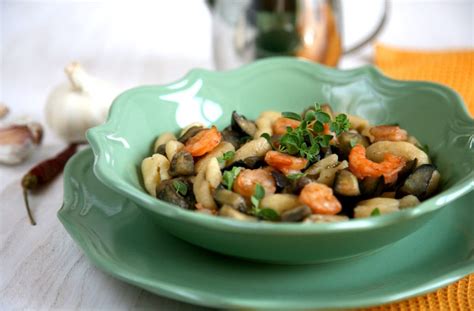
{"x":96,"y":135}
{"x":82,"y":237}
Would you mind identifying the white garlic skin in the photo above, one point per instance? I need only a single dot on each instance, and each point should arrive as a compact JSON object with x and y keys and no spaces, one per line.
{"x":18,"y":141}
{"x":83,"y":102}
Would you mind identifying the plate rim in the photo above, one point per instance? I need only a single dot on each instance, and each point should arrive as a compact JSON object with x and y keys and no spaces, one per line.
{"x":210,"y":300}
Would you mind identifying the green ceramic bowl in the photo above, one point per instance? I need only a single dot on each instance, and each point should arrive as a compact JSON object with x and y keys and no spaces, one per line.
{"x":433,"y":113}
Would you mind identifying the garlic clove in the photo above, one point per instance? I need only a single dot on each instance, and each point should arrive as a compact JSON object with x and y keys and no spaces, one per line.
{"x":74,"y":107}
{"x":3,"y":110}
{"x":17,"y":141}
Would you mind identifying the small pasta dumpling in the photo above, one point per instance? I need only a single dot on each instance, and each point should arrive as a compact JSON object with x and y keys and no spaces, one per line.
{"x":154,"y":171}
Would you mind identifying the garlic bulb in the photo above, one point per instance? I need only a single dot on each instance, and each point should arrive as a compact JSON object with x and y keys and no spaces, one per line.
{"x":78,"y":105}
{"x":18,"y":140}
{"x":3,"y":110}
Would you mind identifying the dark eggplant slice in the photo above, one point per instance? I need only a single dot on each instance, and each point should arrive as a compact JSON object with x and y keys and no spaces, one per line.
{"x":349,"y":139}
{"x":346,"y":184}
{"x":167,"y":191}
{"x":241,"y":124}
{"x":227,"y":197}
{"x":250,"y":162}
{"x":296,"y":214}
{"x":422,"y":183}
{"x":190,"y":133}
{"x":281,"y":181}
{"x":233,"y":137}
{"x":402,"y":175}
{"x":161,"y":149}
{"x":298,"y":184}
{"x":372,"y":186}
{"x":182,"y":164}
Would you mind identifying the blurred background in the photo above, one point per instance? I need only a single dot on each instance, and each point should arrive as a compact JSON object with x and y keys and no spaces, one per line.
{"x":150,"y":42}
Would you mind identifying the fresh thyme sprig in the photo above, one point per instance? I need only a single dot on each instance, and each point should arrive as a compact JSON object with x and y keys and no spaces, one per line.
{"x":305,"y":140}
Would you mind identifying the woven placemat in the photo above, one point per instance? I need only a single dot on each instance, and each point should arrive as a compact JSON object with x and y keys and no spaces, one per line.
{"x":455,"y":69}
{"x":452,"y":68}
{"x":457,"y":296}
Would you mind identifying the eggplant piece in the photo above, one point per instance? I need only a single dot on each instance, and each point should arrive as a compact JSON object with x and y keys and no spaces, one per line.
{"x":167,"y":191}
{"x":372,"y":186}
{"x":250,"y":162}
{"x":281,"y":181}
{"x":182,"y":164}
{"x":296,"y":214}
{"x":422,"y":183}
{"x":349,"y":139}
{"x":231,"y":136}
{"x":298,"y":184}
{"x":230,"y":198}
{"x":240,"y":123}
{"x":408,"y":169}
{"x":327,"y":162}
{"x":346,"y":184}
{"x":161,"y":149}
{"x":190,"y":133}
{"x":286,"y":185}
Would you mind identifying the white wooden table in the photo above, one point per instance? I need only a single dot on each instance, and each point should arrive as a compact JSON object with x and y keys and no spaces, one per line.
{"x":41,"y":267}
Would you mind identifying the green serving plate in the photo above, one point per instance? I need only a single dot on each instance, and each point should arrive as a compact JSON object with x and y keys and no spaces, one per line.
{"x":433,"y":113}
{"x":121,"y":240}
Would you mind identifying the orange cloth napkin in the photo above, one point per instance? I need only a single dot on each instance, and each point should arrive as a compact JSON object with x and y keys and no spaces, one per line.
{"x":457,"y":296}
{"x":452,"y":68}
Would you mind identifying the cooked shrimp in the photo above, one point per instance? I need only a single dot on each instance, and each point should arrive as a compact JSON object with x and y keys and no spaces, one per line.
{"x":388,"y":132}
{"x":203,"y":142}
{"x":320,"y":199}
{"x":281,"y":124}
{"x":284,"y":162}
{"x":362,"y":167}
{"x":327,"y":131}
{"x":247,"y":180}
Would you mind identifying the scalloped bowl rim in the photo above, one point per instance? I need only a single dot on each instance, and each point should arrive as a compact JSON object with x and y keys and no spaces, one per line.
{"x":143,"y":199}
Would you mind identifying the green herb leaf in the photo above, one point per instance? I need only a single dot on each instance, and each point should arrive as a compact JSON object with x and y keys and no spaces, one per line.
{"x":229,"y":177}
{"x":259,"y":192}
{"x":291,"y":115}
{"x":375,"y":212}
{"x":307,"y":142}
{"x":226,"y":156}
{"x":310,"y":116}
{"x":322,"y":117}
{"x":269,"y":139}
{"x":295,"y":176}
{"x":353,"y":142}
{"x":255,"y":202}
{"x":267,"y":214}
{"x":341,"y":124}
{"x":318,"y":127}
{"x":180,"y":187}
